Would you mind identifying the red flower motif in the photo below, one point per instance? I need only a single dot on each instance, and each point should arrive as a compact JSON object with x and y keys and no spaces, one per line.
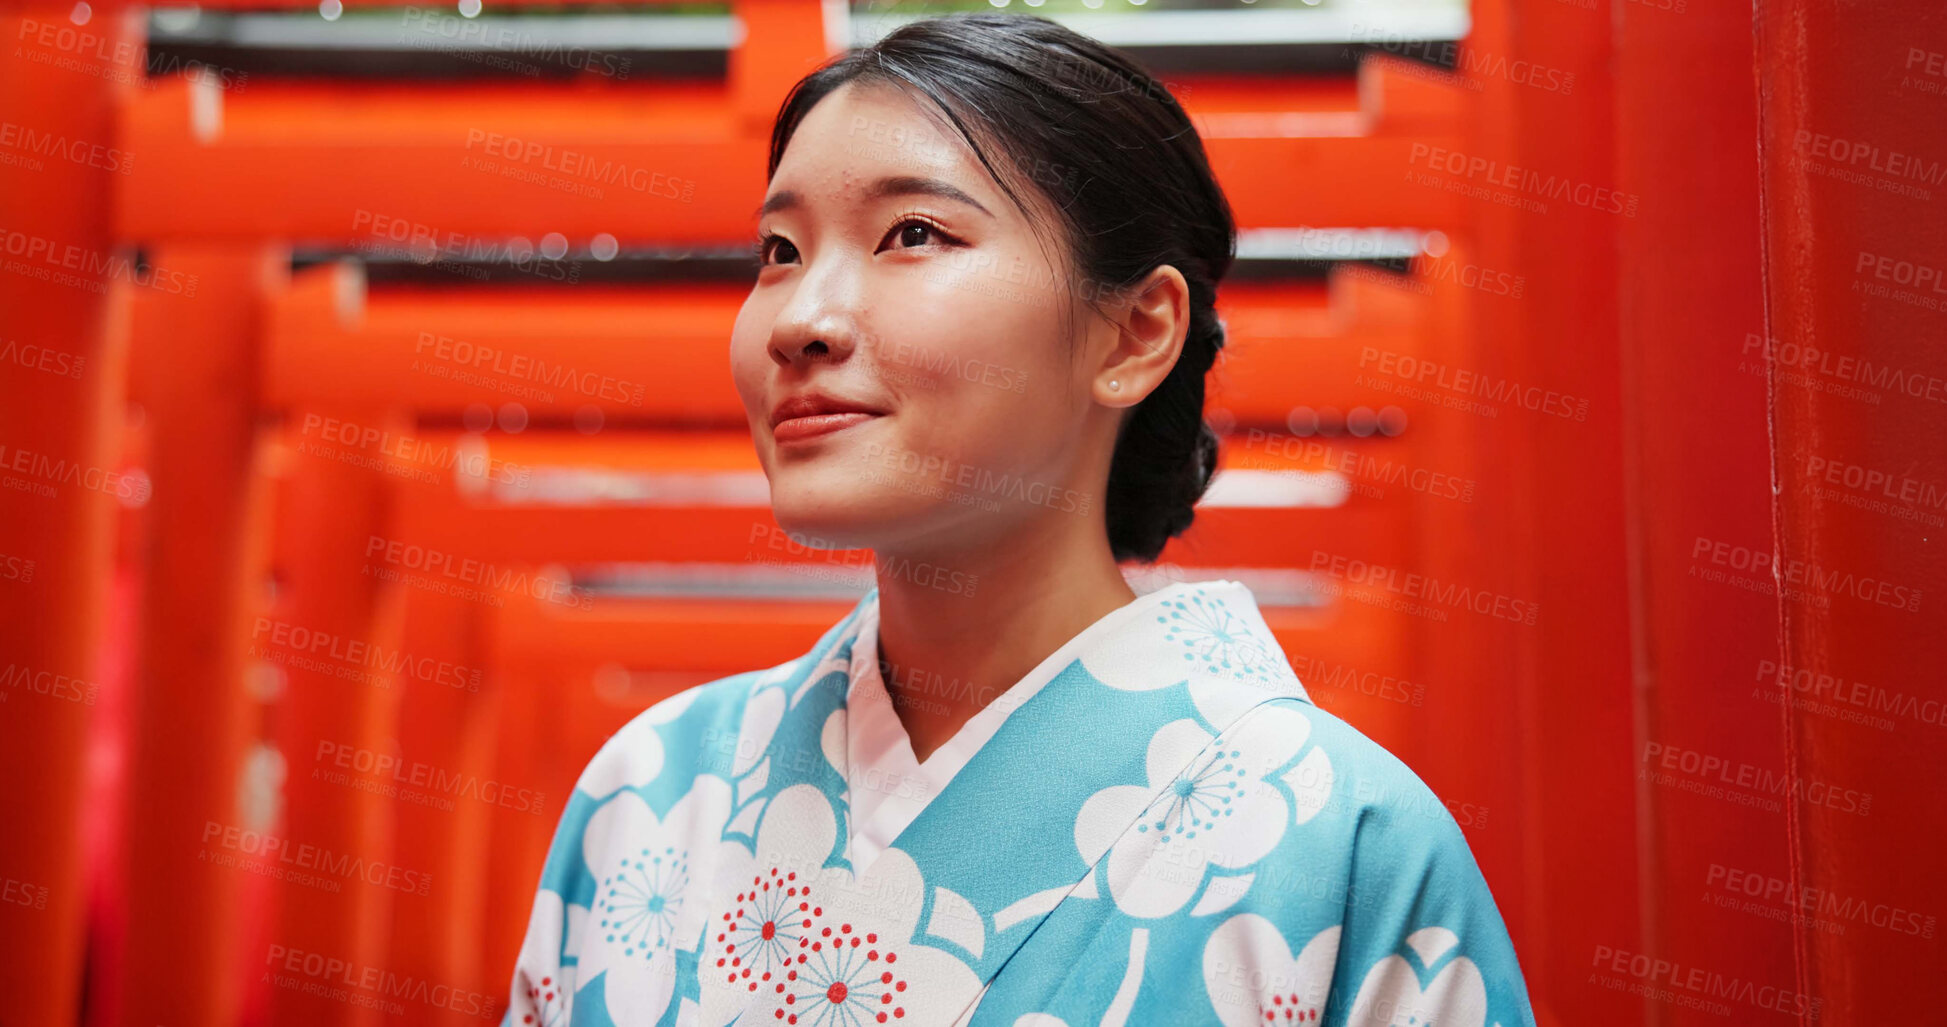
{"x":756,"y":936}
{"x":548,"y":1004}
{"x":1286,"y":1009}
{"x":841,"y":976}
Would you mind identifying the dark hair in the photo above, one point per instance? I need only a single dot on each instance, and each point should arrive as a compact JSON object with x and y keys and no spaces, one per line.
{"x":1137,"y":193}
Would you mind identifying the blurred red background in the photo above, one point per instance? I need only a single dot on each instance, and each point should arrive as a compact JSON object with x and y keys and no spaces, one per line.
{"x":370,"y":455}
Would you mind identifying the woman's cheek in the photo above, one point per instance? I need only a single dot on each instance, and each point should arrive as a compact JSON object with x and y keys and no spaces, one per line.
{"x":747,"y":372}
{"x":996,"y":426}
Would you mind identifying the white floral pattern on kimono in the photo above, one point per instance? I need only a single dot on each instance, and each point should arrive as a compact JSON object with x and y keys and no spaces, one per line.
{"x":1164,"y":831}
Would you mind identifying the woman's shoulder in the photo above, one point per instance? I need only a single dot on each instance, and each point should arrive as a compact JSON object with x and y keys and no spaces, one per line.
{"x":703,"y":729}
{"x":1357,"y":785}
{"x":698,"y":727}
{"x":1403,"y":880}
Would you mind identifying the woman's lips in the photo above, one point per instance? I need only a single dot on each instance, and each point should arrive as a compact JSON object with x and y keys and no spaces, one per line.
{"x":797,"y":429}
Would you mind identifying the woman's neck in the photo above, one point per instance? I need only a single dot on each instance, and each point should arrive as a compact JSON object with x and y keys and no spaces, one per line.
{"x":958,"y":629}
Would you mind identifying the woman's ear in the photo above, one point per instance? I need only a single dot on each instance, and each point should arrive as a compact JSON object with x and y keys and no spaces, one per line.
{"x":1150,"y":321}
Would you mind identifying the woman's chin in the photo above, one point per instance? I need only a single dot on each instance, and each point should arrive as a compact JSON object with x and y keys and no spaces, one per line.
{"x":825,"y":525}
{"x":847,"y":507}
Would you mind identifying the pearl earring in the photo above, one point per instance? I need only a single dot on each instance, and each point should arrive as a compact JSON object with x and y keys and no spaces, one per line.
{"x":1114,"y":386}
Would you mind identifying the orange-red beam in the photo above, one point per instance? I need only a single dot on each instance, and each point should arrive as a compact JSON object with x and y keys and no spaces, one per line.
{"x":524,"y":519}
{"x":657,"y":351}
{"x":385,"y":166}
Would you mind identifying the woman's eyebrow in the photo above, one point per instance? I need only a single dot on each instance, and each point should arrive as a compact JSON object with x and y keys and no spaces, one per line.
{"x":891,"y":185}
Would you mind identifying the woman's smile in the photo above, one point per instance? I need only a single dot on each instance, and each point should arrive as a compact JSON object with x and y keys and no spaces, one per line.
{"x":817,"y":426}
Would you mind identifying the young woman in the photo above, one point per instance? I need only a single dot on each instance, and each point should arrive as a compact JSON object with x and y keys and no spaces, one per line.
{"x":1004,"y":789}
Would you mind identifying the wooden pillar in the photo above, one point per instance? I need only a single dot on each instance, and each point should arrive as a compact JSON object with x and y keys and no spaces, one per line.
{"x":784,"y":39}
{"x":1545,"y":701}
{"x":335,"y":617}
{"x":1699,"y":498}
{"x":1853,"y":172}
{"x":195,"y":374}
{"x":447,"y":797}
{"x":61,"y":368}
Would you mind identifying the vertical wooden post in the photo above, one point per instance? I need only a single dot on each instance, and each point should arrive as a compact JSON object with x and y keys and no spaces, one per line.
{"x":1853,"y":217}
{"x":195,"y":374}
{"x":785,"y":39}
{"x":60,"y":421}
{"x":334,"y":505}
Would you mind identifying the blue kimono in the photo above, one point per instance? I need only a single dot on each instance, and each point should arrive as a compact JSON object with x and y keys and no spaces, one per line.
{"x":1155,"y":827}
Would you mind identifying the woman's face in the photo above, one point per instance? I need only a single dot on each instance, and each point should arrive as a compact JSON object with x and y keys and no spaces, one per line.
{"x":899,"y":280}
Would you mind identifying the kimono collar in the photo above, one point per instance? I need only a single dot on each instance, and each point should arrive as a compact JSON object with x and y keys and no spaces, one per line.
{"x":1206,"y":635}
{"x":1195,"y":655}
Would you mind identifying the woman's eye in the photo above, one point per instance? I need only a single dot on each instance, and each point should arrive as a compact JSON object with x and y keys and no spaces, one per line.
{"x":916,"y":232}
{"x":908,"y":234}
{"x":775,"y":245}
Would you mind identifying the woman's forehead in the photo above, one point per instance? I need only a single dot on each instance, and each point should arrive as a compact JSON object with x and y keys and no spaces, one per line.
{"x":856,"y":138}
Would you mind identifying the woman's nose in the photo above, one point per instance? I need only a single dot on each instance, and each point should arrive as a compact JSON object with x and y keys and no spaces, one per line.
{"x":822,"y":321}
